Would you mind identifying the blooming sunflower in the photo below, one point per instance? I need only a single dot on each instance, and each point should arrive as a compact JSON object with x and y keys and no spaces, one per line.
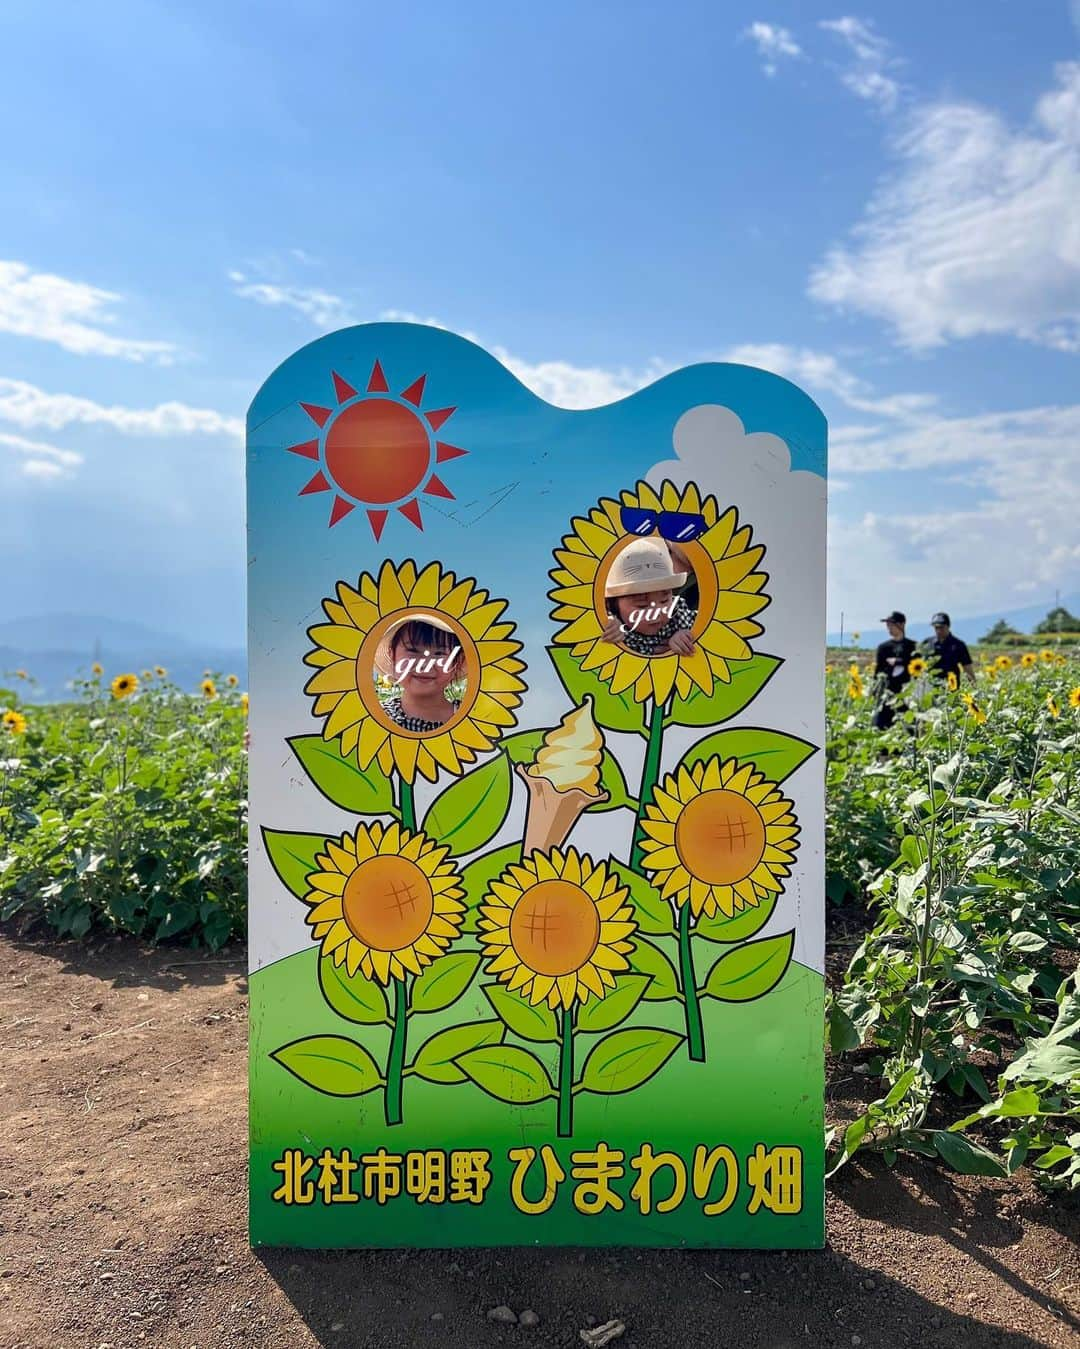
{"x":1028,"y":659}
{"x":1074,"y":697}
{"x":21,"y":674}
{"x":384,"y":901}
{"x":1004,"y":662}
{"x":1046,"y":656}
{"x":208,"y":689}
{"x":952,"y":681}
{"x":232,"y":681}
{"x":244,"y":703}
{"x":160,"y":671}
{"x":97,"y":669}
{"x":855,"y":687}
{"x":344,"y":684}
{"x":13,"y":722}
{"x":729,"y":594}
{"x":1053,"y":706}
{"x":124,"y":685}
{"x":916,"y":667}
{"x":555,"y":927}
{"x":719,"y":835}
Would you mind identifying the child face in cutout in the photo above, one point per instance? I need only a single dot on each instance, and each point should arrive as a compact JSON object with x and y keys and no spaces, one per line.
{"x":646,"y":613}
{"x":426,"y":660}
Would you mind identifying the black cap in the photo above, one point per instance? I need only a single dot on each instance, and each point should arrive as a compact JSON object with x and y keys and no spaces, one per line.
{"x":940,"y":620}
{"x":895,"y":617}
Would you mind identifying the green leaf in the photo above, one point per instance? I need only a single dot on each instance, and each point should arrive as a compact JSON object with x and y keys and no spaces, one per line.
{"x":776,"y":755}
{"x":525,"y":745}
{"x":342,"y":781}
{"x":748,"y":678}
{"x":738,"y":928}
{"x":752,"y":970}
{"x":602,"y":1013}
{"x":613,"y":711}
{"x":507,"y":1073}
{"x":444,"y":981}
{"x":653,"y":914}
{"x":627,"y":1059}
{"x":331,"y":1064}
{"x":648,"y":959}
{"x":293,"y":857}
{"x":843,"y":1033}
{"x":435,"y":1061}
{"x":178,"y":918}
{"x":1060,"y":1152}
{"x":352,"y":996}
{"x":531,"y":1023}
{"x":900,"y":1087}
{"x":965,"y":1156}
{"x":470,"y":812}
{"x":478,"y":875}
{"x":1056,"y":1063}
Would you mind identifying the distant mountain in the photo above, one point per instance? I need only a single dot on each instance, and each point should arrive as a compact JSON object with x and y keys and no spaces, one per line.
{"x":970,"y":628}
{"x":56,"y":648}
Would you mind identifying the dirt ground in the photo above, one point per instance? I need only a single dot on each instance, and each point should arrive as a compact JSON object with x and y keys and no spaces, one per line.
{"x":123,"y":1214}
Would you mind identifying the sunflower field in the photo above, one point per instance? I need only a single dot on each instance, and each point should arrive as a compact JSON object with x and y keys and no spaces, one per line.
{"x":953,"y":847}
{"x":124,"y":809}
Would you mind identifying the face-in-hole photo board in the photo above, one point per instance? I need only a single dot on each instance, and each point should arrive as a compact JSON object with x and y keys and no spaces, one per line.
{"x":536,"y":802}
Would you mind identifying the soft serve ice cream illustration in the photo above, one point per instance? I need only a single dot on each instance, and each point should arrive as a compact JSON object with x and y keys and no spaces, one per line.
{"x":564,"y":780}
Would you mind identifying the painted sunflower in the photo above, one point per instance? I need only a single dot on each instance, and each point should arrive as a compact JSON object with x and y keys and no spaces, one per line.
{"x":555,"y":928}
{"x":720,"y":836}
{"x":729,"y":594}
{"x":384,"y":901}
{"x":344,"y":685}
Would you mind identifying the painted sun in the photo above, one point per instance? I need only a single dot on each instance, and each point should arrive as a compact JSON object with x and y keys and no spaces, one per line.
{"x":377,"y":450}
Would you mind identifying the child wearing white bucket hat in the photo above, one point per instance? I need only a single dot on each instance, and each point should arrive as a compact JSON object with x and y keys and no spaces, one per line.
{"x":423,"y":657}
{"x":647,"y":616}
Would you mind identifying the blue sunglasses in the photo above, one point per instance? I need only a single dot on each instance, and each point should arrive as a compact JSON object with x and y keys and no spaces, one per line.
{"x":676,"y":526}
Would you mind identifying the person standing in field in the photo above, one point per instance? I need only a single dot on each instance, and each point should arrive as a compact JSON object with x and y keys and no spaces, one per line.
{"x":891,"y":668}
{"x":947,"y":654}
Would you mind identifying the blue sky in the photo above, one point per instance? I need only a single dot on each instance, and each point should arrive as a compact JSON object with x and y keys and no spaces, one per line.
{"x":881,"y":204}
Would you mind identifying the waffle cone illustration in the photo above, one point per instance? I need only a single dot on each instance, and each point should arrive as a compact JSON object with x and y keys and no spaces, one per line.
{"x":564,"y":780}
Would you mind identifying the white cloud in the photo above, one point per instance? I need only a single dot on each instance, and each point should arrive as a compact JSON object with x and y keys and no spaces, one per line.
{"x":819,"y":370}
{"x":28,"y":406}
{"x":36,"y":459}
{"x":773,"y":42}
{"x":870,"y":59}
{"x":976,"y":231}
{"x":324,"y":309}
{"x":41,"y":468}
{"x":70,"y":314}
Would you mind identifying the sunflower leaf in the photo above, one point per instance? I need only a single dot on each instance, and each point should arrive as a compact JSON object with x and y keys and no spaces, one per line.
{"x":444,"y":981}
{"x":627,"y":1059}
{"x":653,"y":914}
{"x":602,"y":1013}
{"x":648,"y":959}
{"x":435,"y":1060}
{"x":293,"y":857}
{"x":342,"y":781}
{"x":478,"y":875}
{"x":613,"y":711}
{"x":748,"y":678}
{"x":531,"y":1023}
{"x":752,"y":970}
{"x":507,"y":1073}
{"x":471,"y":811}
{"x":737,"y":928}
{"x":352,"y":996}
{"x":331,"y":1064}
{"x":776,"y":754}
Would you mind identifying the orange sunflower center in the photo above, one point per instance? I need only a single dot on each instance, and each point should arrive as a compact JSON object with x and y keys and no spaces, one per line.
{"x":377,"y":451}
{"x":387,"y":903}
{"x":554,"y":928}
{"x":720,"y":837}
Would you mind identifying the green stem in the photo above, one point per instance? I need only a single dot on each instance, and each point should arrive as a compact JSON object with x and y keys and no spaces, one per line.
{"x":650,"y":776}
{"x":695,"y":1033}
{"x":395,"y":1064}
{"x":407,"y":806}
{"x":566,"y":1076}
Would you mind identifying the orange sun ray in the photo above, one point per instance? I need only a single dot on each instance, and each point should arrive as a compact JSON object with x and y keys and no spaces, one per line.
{"x":444,"y":452}
{"x":342,"y":388}
{"x":377,"y":519}
{"x":317,"y":484}
{"x":435,"y":487}
{"x":411,"y":511}
{"x":377,"y":383}
{"x":340,"y":509}
{"x":320,"y":416}
{"x":309,"y":449}
{"x":415,"y":391}
{"x":438,"y":417}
